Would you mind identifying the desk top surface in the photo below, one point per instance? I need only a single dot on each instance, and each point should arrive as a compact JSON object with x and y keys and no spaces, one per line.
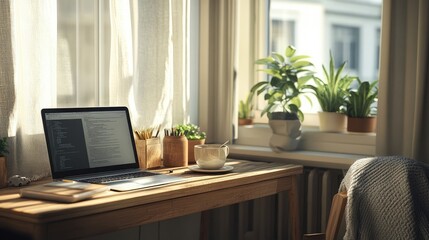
{"x":244,"y":172}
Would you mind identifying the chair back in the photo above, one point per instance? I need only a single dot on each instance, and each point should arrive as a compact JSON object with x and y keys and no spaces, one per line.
{"x":336,"y":214}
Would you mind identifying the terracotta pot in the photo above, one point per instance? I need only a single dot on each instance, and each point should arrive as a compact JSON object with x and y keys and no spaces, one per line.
{"x":332,"y":122}
{"x":245,"y":121}
{"x":363,"y":125}
{"x":3,"y":172}
{"x":191,"y":145}
{"x":175,"y":151}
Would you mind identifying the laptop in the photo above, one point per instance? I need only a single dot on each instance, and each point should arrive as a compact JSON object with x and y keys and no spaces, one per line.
{"x":96,"y":145}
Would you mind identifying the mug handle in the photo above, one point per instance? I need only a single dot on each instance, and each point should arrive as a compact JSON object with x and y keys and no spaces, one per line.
{"x":227,"y":150}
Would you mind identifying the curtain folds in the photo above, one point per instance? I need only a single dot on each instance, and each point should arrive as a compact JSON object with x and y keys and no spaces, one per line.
{"x":148,"y":66}
{"x":404,"y":80}
{"x":7,"y":90}
{"x":30,"y":83}
{"x":147,"y":69}
{"x":217,"y":68}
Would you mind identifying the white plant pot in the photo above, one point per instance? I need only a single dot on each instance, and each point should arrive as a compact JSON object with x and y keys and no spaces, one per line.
{"x":332,"y":122}
{"x":286,"y":134}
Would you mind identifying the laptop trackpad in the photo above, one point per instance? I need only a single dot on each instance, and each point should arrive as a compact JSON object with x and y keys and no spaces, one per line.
{"x":144,"y":182}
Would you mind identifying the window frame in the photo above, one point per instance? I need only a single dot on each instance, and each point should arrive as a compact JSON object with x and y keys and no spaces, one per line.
{"x":355,"y":142}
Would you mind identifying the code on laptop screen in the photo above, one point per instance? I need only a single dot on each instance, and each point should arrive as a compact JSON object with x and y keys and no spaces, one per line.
{"x":81,"y":140}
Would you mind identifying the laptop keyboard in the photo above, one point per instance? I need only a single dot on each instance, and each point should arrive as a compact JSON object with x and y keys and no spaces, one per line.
{"x":118,"y":177}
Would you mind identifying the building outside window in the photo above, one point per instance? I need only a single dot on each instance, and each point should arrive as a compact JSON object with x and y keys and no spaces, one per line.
{"x":348,"y":29}
{"x":345,"y":46}
{"x":283,"y":32}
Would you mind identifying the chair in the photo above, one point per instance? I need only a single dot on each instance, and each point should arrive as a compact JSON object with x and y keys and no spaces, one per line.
{"x":387,"y":198}
{"x":338,"y":206}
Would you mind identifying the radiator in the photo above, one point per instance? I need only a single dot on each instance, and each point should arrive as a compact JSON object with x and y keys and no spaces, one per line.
{"x":253,"y":220}
{"x":319,"y":186}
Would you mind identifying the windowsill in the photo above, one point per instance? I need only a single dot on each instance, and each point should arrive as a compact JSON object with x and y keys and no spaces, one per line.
{"x":302,"y":157}
{"x":316,"y":149}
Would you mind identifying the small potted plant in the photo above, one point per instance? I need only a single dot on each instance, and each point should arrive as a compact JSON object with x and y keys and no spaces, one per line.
{"x":245,"y":110}
{"x":3,"y":167}
{"x":331,"y":93}
{"x":195,"y":137}
{"x":288,"y":77}
{"x":362,"y":108}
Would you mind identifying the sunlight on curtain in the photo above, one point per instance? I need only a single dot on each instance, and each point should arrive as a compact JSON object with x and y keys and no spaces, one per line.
{"x":45,"y":63}
{"x":34,"y":36}
{"x":121,"y":55}
{"x":156,"y":86}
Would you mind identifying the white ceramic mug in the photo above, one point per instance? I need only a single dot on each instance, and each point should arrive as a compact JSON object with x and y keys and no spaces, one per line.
{"x":211,"y":156}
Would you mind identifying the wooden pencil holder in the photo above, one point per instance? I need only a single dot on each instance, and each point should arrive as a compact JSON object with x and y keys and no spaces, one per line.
{"x":175,"y":151}
{"x":149,"y":153}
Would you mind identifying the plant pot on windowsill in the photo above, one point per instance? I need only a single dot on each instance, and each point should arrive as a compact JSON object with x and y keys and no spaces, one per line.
{"x":245,"y":111}
{"x":362,"y":125}
{"x":331,"y":92}
{"x":361,"y":107}
{"x":286,"y":129}
{"x":245,"y":121}
{"x":289,"y":74}
{"x":332,"y":122}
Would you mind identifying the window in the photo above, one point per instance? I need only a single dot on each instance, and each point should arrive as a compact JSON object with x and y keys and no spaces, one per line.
{"x":283,"y":31}
{"x":377,"y":49}
{"x":346,"y":46}
{"x":350,"y":29}
{"x":77,"y":52}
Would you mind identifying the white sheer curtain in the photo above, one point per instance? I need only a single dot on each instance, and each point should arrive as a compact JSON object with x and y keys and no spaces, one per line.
{"x":404,"y":80}
{"x":30,"y":82}
{"x":148,"y":70}
{"x":153,"y":77}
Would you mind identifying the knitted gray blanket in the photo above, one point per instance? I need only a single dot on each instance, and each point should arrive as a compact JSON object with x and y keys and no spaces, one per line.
{"x":388,"y":198}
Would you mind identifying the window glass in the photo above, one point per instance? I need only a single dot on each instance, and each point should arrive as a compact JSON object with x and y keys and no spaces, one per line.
{"x":77,"y":53}
{"x":349,"y":29}
{"x":346,"y":46}
{"x":282,"y":33}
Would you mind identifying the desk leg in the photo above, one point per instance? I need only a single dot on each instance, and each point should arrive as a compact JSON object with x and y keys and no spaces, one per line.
{"x":294,"y":209}
{"x":204,"y":225}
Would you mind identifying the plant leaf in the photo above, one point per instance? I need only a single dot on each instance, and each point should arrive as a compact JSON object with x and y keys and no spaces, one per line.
{"x":290,"y":51}
{"x":278,"y":57}
{"x":299,"y":57}
{"x":301,"y":64}
{"x":264,"y":61}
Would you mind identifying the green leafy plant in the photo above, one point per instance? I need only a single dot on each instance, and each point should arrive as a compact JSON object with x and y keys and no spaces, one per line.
{"x":3,"y":147}
{"x":361,"y":101}
{"x":191,"y":131}
{"x":245,"y":108}
{"x":332,"y":91}
{"x":289,"y":75}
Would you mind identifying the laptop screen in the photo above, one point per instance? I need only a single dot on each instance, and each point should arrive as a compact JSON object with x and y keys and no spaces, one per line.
{"x":88,"y":140}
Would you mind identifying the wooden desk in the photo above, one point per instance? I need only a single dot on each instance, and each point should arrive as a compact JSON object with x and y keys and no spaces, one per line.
{"x":249,"y":180}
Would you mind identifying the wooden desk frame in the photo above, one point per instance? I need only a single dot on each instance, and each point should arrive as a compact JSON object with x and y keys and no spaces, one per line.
{"x":249,"y":180}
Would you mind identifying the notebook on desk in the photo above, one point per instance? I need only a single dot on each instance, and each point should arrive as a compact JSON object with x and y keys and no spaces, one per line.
{"x":96,"y":145}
